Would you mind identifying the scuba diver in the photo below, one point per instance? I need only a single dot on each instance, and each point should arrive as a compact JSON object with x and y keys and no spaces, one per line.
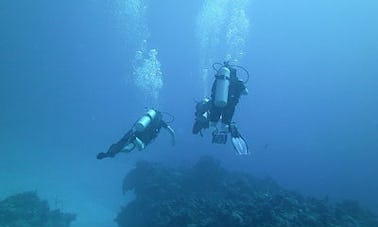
{"x":140,"y":135}
{"x":225,"y":94}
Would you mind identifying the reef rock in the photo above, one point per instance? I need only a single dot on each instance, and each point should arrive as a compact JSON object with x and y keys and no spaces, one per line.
{"x":27,"y":210}
{"x":208,"y":195}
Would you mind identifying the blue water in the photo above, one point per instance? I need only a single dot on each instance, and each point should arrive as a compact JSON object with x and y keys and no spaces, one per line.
{"x":67,"y":92}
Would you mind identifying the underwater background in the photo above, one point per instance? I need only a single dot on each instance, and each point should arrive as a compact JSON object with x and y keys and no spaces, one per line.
{"x":75,"y":75}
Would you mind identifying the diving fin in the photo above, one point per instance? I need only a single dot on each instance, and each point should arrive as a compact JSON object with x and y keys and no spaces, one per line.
{"x":239,"y":143}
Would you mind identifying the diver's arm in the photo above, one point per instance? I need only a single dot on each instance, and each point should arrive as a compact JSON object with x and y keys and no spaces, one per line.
{"x":171,"y":132}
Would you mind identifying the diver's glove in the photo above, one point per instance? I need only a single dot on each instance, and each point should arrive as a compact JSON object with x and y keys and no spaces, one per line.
{"x":238,"y":141}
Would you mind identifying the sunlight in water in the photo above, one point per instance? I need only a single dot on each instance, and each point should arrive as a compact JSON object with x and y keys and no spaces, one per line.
{"x":222,"y":31}
{"x":147,"y":74}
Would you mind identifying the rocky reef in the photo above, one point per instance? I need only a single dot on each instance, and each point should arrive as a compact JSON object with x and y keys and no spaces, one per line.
{"x":208,"y":195}
{"x":27,"y":210}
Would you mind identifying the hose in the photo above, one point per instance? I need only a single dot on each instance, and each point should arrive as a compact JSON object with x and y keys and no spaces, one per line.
{"x":235,"y":66}
{"x":217,"y":63}
{"x":245,"y":70}
{"x":171,"y":116}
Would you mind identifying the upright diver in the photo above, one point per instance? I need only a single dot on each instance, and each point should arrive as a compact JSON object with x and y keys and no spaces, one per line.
{"x":140,"y":135}
{"x":225,"y":94}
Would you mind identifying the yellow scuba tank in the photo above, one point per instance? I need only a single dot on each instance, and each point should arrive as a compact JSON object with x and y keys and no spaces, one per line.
{"x":146,"y":120}
{"x":221,"y":87}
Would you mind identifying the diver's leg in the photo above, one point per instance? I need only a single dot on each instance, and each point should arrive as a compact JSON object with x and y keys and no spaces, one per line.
{"x":112,"y":151}
{"x":228,"y":114}
{"x":117,"y":147}
{"x":139,"y":144}
{"x":215,"y":113}
{"x":220,"y":136}
{"x":128,"y":148}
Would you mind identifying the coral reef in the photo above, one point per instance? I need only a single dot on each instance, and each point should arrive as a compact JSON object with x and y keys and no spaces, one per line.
{"x":27,"y":210}
{"x":207,"y":195}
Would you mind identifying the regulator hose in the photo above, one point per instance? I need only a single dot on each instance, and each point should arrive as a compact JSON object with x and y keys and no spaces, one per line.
{"x":235,"y":66}
{"x":171,"y":116}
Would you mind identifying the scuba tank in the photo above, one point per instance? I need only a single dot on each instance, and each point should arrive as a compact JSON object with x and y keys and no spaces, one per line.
{"x":146,"y":120}
{"x":221,"y":87}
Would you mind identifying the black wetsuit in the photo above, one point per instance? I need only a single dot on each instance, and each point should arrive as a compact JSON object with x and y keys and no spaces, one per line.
{"x":236,"y":88}
{"x":146,"y":136}
{"x":153,"y":129}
